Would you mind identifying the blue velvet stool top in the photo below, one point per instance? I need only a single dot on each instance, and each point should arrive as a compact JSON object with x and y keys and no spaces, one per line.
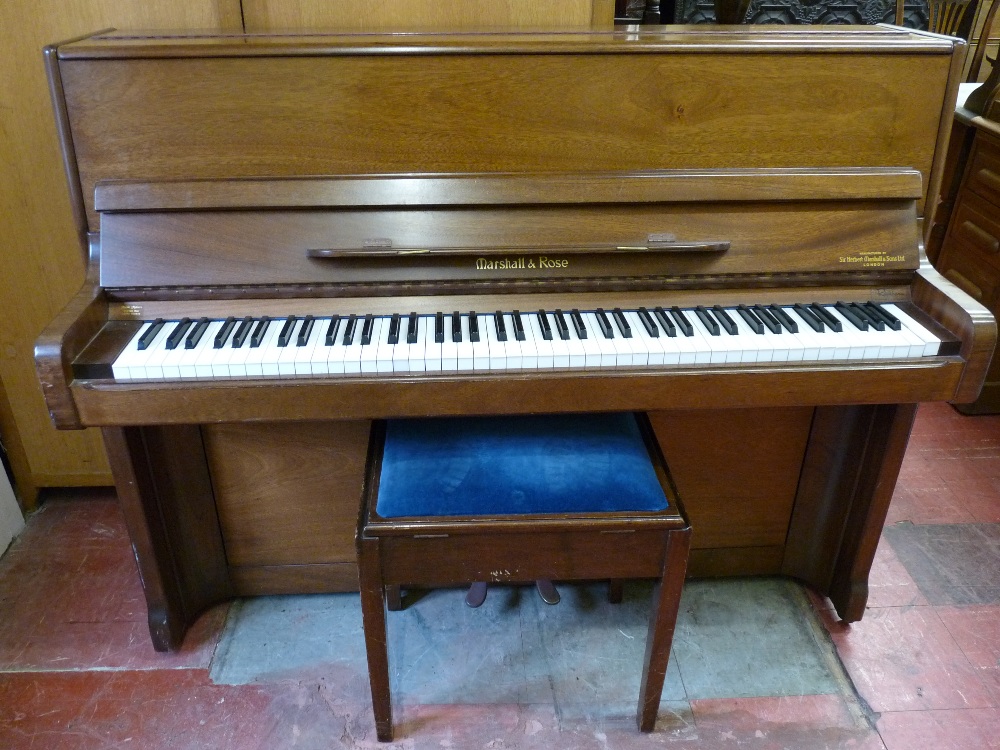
{"x":482,"y":466}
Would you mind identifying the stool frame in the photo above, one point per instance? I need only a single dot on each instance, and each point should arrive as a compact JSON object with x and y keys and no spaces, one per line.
{"x":442,"y":551}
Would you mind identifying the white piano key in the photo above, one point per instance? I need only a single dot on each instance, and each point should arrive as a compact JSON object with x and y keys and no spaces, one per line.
{"x":560,"y":348}
{"x":932,"y":343}
{"x":481,"y":348}
{"x":575,"y":345}
{"x":716,"y":347}
{"x":606,"y":347}
{"x":543,"y":347}
{"x":449,"y":347}
{"x":304,"y":353}
{"x":384,"y":351}
{"x":208,"y":353}
{"x":370,"y":351}
{"x":512,"y":347}
{"x":130,"y":363}
{"x":236,"y":358}
{"x":433,"y":358}
{"x":402,"y":352}
{"x":464,"y":347}
{"x":497,"y":348}
{"x":270,"y":352}
{"x":318,"y":352}
{"x":861,"y":346}
{"x":352,"y":351}
{"x":288,"y":352}
{"x":651,"y":345}
{"x":590,"y":345}
{"x":336,"y":351}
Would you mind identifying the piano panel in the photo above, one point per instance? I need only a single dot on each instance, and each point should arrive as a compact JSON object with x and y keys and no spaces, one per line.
{"x":474,"y":104}
{"x":259,"y":248}
{"x":287,"y":494}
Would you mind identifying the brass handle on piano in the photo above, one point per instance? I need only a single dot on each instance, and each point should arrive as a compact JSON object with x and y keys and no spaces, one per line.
{"x":387,"y":250}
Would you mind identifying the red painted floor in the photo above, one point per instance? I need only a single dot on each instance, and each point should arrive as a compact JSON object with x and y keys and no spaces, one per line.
{"x":77,"y":669}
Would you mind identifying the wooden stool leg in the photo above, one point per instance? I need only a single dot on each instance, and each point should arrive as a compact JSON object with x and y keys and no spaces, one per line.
{"x":393,"y":598}
{"x":376,"y":642}
{"x":616,"y":590}
{"x":663,"y":618}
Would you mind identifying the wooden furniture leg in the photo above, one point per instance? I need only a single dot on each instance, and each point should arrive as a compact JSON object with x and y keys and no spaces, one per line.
{"x":616,"y":590}
{"x":662,"y":620}
{"x":376,"y":641}
{"x":393,"y":598}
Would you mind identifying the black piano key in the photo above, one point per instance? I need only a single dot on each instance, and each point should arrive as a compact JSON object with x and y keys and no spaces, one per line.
{"x":394,"y":322}
{"x":887,"y":317}
{"x":823,"y":314}
{"x":769,"y":321}
{"x":439,"y":328}
{"x":543,"y":323}
{"x":349,"y":329}
{"x":665,"y":322}
{"x":412,"y":328}
{"x":623,"y":325}
{"x":809,"y":317}
{"x":456,"y":326}
{"x":518,"y":326}
{"x":604,"y":323}
{"x":177,"y":335}
{"x":724,"y":320}
{"x":259,"y":331}
{"x":501,"y":326}
{"x":844,"y":309}
{"x":750,"y":319}
{"x":223,"y":335}
{"x":147,"y":338}
{"x":710,"y":323}
{"x":473,"y":327}
{"x":648,"y":323}
{"x":305,"y":331}
{"x":331,"y":330}
{"x":367,"y":329}
{"x":561,"y":328}
{"x":782,"y":317}
{"x":682,"y":322}
{"x":196,"y":333}
{"x":285,"y":335}
{"x":874,"y":321}
{"x":242,"y":331}
{"x":578,"y":324}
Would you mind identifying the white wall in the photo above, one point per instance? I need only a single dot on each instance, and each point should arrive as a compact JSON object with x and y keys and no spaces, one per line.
{"x":11,"y":520}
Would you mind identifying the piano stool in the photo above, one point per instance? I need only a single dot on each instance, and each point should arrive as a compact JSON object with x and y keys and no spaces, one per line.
{"x":514,"y":499}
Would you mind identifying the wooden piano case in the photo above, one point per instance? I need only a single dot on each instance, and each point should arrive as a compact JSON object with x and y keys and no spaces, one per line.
{"x":263,"y":174}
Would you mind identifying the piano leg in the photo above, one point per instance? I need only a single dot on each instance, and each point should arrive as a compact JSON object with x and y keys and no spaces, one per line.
{"x":847,"y":481}
{"x":165,"y":492}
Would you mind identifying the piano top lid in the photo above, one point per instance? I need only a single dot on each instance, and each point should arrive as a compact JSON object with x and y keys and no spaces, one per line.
{"x":657,"y":39}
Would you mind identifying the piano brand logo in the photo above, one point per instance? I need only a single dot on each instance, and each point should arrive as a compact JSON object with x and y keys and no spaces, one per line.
{"x":522,"y":263}
{"x":872,"y":260}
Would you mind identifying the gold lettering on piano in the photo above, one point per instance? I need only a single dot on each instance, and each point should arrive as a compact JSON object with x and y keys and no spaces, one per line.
{"x":520,"y":264}
{"x":132,"y":311}
{"x":877,"y":259}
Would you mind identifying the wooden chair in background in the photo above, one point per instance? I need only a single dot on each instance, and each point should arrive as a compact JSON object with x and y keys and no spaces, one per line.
{"x":957,"y":18}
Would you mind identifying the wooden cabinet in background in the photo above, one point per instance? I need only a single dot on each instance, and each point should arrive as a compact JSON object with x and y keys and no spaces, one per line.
{"x":970,"y":253}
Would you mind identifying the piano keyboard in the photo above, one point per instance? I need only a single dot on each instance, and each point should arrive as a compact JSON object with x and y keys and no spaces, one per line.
{"x":310,"y":346}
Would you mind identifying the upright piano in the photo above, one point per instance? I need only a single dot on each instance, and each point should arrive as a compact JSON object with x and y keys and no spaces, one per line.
{"x":292,"y":235}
